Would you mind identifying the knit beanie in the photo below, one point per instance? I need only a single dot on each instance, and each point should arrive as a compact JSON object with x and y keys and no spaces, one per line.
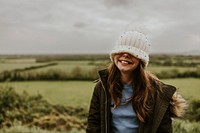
{"x":134,"y":43}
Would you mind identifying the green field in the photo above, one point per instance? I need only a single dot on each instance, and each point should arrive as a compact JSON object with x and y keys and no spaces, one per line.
{"x":188,"y":87}
{"x":35,"y":75}
{"x":78,"y":93}
{"x":72,"y":93}
{"x":12,"y":66}
{"x":158,"y":69}
{"x":68,"y":66}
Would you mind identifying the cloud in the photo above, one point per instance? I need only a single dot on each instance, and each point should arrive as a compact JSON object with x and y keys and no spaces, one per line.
{"x":93,"y":25}
{"x":80,"y":25}
{"x":119,"y":3}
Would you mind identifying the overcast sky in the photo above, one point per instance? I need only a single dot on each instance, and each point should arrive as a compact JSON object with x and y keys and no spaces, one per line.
{"x":93,"y":26}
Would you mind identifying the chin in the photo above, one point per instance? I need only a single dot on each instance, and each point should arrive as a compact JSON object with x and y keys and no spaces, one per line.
{"x":125,"y":70}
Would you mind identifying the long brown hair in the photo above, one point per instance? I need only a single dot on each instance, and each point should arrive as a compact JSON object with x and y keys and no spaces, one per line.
{"x":142,"y":94}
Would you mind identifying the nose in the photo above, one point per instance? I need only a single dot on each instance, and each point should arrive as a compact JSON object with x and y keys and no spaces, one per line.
{"x":126,"y":55}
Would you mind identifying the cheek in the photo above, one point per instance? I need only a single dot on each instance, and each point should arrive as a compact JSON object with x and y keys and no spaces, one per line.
{"x":115,"y":59}
{"x":136,"y":60}
{"x":137,"y":63}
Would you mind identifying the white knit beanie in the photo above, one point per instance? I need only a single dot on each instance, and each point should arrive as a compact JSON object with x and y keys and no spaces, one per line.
{"x":134,"y":43}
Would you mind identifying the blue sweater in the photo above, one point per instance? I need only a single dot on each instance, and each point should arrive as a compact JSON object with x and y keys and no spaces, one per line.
{"x":124,"y":119}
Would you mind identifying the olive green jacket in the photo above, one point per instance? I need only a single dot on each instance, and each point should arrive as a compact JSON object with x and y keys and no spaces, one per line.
{"x":166,"y":105}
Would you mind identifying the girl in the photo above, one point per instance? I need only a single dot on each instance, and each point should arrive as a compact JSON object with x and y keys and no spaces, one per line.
{"x":127,"y":98}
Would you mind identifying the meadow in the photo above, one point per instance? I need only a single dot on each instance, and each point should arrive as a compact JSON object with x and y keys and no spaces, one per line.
{"x":78,"y":93}
{"x":72,"y":93}
{"x":66,"y":81}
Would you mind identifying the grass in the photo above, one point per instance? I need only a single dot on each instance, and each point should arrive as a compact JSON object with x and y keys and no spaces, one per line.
{"x":78,"y":93}
{"x":188,"y":87}
{"x":65,"y":66}
{"x":72,"y":93}
{"x":12,"y":66}
{"x":158,"y":69}
{"x":68,"y":65}
{"x":17,"y":128}
{"x":179,"y":126}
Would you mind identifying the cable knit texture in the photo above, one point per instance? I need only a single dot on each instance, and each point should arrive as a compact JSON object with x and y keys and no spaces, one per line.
{"x":134,"y":43}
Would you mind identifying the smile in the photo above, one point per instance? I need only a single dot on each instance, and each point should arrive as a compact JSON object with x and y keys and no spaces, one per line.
{"x":125,"y":62}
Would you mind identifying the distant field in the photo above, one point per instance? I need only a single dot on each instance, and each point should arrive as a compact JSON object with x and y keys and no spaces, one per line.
{"x":12,"y":66}
{"x":68,"y":66}
{"x":51,"y":77}
{"x":157,"y":69}
{"x":78,"y":93}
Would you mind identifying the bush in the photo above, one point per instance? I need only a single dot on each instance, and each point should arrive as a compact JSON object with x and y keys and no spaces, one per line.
{"x":52,"y":74}
{"x":194,"y":111}
{"x":18,"y":128}
{"x":34,"y":111}
{"x":181,"y":126}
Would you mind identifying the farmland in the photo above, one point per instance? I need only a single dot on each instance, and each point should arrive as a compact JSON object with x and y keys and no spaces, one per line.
{"x":73,"y":93}
{"x":78,"y":93}
{"x":67,"y":80}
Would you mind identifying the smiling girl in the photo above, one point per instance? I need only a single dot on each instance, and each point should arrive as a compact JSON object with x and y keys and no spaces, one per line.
{"x":127,"y":98}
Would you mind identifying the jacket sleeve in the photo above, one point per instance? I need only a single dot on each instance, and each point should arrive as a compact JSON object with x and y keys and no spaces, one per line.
{"x":93,"y":123}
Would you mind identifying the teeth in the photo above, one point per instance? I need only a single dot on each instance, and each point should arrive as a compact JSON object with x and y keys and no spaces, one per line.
{"x":124,"y":62}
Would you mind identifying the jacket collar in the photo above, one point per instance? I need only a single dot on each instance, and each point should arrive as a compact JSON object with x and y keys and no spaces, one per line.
{"x":103,"y":75}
